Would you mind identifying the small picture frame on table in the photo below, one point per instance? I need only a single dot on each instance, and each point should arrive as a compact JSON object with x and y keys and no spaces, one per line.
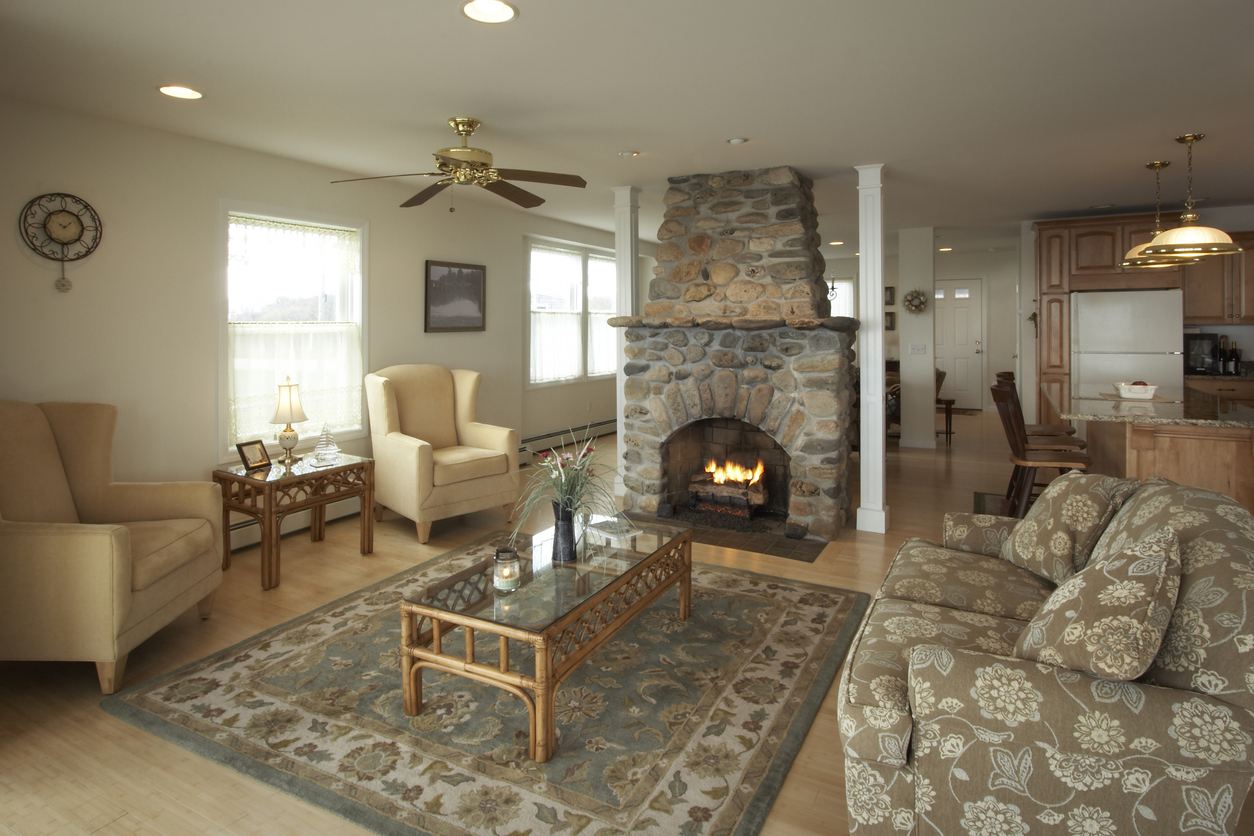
{"x":890,"y":321}
{"x":253,"y":454}
{"x":455,"y":297}
{"x":890,"y":296}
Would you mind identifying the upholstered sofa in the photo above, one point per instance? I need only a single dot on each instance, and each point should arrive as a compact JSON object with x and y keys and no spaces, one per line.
{"x":90,"y":567}
{"x":1086,"y":670}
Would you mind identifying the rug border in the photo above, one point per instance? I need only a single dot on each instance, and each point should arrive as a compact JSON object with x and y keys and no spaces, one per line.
{"x":355,"y":812}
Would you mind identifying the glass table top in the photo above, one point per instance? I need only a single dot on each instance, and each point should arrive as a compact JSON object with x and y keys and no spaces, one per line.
{"x":607,"y":548}
{"x":277,"y":470}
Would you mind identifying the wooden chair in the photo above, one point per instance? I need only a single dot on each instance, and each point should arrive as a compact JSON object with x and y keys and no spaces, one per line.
{"x":1028,"y":459}
{"x":1036,"y":429}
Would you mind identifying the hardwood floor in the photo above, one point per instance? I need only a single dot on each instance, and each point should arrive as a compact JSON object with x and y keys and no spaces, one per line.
{"x":67,"y":767}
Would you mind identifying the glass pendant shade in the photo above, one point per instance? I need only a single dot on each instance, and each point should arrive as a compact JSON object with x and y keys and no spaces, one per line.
{"x":1189,"y":239}
{"x":1136,"y":258}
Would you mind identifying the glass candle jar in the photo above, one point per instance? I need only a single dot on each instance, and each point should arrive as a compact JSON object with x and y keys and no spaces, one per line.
{"x":506,"y":570}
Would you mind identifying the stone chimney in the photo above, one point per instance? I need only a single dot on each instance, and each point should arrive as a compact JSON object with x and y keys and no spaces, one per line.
{"x":741,"y":244}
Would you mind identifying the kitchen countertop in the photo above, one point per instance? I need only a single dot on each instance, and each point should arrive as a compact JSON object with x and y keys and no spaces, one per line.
{"x":1197,"y":409}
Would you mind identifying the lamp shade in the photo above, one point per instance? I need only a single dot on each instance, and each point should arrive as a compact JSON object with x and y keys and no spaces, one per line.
{"x":1137,"y":259}
{"x":289,"y":410}
{"x":1191,"y":239}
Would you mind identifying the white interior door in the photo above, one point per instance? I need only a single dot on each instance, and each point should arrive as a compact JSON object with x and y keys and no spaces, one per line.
{"x":959,"y":324}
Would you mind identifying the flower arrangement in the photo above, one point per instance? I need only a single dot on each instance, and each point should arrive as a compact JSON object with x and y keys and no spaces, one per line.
{"x":571,"y":478}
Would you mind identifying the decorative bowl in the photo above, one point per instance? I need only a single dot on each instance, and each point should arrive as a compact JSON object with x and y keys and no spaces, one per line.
{"x":1136,"y":391}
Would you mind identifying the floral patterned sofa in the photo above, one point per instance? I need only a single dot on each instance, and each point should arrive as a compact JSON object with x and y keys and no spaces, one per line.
{"x":1086,"y":670}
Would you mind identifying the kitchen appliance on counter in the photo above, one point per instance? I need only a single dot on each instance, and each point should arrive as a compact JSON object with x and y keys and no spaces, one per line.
{"x":1127,"y":336}
{"x":1200,"y":352}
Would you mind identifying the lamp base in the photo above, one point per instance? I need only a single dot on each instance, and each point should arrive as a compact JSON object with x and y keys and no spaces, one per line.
{"x":287,"y":440}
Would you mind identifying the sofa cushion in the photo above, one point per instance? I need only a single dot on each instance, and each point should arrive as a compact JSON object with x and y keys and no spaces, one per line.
{"x":1057,"y":536}
{"x":931,"y":574}
{"x":1209,"y":645}
{"x":161,"y":546}
{"x":875,"y":719}
{"x":461,"y":464}
{"x":1109,"y":618}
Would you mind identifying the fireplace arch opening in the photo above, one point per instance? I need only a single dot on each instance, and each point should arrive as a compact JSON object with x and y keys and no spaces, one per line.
{"x":725,"y":472}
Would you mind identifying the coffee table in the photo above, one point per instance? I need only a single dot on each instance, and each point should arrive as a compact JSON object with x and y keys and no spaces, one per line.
{"x":562,"y":612}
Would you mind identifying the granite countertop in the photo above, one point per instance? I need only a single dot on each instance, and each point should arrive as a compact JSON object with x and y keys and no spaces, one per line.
{"x":1197,"y":408}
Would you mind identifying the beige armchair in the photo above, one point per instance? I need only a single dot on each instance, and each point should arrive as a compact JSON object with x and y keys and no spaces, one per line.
{"x":433,"y":460}
{"x":89,"y":567}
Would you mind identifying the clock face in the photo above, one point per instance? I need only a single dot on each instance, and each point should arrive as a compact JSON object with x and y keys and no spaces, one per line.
{"x":61,"y":227}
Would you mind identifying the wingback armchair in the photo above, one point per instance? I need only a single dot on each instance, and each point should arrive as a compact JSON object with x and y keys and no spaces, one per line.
{"x":433,"y":460}
{"x":90,"y":567}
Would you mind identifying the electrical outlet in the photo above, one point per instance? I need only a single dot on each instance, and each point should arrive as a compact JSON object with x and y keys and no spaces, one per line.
{"x":918,"y":348}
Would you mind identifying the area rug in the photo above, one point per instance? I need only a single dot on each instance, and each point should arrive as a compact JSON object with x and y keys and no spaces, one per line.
{"x":672,"y":727}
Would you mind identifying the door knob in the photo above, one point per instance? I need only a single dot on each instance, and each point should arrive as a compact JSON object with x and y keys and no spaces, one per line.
{"x":977,"y":351}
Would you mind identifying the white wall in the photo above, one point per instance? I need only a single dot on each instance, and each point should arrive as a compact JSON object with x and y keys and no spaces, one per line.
{"x":917,"y":266}
{"x":139,"y":329}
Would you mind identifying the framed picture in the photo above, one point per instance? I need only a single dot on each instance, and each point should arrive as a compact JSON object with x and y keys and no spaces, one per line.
{"x":890,"y":321}
{"x":890,"y":296}
{"x":253,"y":454}
{"x":455,"y":297}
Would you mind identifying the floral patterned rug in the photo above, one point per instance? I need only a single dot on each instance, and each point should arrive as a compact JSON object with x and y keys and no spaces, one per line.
{"x":672,"y":727}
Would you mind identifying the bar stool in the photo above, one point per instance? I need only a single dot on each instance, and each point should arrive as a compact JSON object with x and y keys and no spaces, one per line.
{"x":1026,"y":458}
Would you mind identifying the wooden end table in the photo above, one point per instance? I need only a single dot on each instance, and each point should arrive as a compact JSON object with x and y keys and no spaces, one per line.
{"x":270,"y":494}
{"x":563,"y":611}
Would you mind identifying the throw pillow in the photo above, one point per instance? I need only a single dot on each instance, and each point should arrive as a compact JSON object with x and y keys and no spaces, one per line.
{"x":1056,"y":537}
{"x":1109,"y":618}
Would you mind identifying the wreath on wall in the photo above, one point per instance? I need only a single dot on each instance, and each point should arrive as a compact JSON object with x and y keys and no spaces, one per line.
{"x":915,"y":301}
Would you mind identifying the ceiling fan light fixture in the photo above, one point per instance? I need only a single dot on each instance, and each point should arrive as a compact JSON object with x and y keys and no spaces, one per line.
{"x":176,"y":92}
{"x":489,"y":11}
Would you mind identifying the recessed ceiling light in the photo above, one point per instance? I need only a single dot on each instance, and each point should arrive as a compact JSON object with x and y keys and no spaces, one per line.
{"x":946,"y":249}
{"x":737,"y":140}
{"x":180,"y":92}
{"x":1103,"y":206}
{"x":629,"y":153}
{"x":857,"y":253}
{"x":836,"y":243}
{"x":489,"y":11}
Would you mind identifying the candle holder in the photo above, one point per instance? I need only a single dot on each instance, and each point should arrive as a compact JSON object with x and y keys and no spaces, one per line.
{"x":506,"y":570}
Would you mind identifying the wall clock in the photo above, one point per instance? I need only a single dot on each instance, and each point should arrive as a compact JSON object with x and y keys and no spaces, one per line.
{"x":61,"y":227}
{"x":915,"y":301}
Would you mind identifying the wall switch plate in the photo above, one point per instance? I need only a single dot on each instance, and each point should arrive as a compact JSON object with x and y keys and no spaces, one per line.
{"x":918,"y":348}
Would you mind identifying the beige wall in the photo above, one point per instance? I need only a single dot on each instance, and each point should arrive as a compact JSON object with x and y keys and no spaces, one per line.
{"x":140,"y":327}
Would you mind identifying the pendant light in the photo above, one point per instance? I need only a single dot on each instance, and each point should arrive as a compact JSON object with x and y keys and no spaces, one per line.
{"x":1136,"y":257}
{"x":1189,"y":238}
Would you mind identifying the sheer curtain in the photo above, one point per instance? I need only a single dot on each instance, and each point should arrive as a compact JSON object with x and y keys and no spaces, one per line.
{"x":556,"y":313}
{"x":293,"y":300}
{"x":602,"y":304}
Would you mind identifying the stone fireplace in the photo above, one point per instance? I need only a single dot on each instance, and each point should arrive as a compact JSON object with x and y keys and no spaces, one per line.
{"x":737,"y":336}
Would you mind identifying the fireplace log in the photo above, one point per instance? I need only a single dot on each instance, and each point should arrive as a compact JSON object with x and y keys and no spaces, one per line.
{"x":705,"y":489}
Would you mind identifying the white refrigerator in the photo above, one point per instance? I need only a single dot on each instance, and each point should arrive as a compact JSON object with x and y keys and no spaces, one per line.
{"x":1125,"y":336}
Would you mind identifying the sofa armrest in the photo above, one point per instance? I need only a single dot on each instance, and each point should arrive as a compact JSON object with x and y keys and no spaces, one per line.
{"x":140,"y":501}
{"x":979,"y":533}
{"x":65,"y":590}
{"x":491,"y":437}
{"x":994,"y":733}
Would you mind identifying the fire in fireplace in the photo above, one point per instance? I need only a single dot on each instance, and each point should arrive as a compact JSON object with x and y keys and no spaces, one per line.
{"x":730,"y":488}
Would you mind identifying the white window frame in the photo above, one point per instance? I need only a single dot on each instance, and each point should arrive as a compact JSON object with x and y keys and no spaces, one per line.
{"x":585,"y":250}
{"x":226,"y":450}
{"x":849,"y":282}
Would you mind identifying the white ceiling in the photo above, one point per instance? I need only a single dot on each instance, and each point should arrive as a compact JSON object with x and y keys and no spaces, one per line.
{"x":983,"y":112}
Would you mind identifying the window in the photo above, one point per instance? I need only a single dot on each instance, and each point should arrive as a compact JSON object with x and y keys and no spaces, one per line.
{"x":574,"y":292}
{"x":842,"y":293}
{"x":294,"y":309}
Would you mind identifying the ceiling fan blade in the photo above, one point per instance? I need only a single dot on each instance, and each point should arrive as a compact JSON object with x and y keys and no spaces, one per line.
{"x":542,"y":177}
{"x":425,"y":195}
{"x":509,"y":191}
{"x":386,"y":176}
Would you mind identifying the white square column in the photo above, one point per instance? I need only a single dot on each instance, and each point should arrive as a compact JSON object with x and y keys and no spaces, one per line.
{"x":627,"y":264}
{"x":872,"y":511}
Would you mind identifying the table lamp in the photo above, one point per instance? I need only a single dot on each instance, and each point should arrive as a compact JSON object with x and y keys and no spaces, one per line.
{"x":289,"y":412}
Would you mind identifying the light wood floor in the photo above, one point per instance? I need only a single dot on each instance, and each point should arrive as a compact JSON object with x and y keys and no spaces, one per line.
{"x":67,"y":767}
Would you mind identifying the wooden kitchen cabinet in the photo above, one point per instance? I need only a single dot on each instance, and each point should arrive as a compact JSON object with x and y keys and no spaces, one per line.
{"x":1229,"y":388}
{"x":1085,"y":254}
{"x":1219,"y":290}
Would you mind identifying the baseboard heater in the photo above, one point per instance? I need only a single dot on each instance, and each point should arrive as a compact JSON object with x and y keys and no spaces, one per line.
{"x":555,"y":439}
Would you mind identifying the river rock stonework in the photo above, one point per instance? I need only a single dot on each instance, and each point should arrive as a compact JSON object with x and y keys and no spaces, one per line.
{"x":738,"y":326}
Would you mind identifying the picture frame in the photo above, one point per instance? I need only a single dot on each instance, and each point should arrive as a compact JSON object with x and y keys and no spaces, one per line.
{"x":890,"y":296}
{"x":253,"y":454}
{"x":890,"y":321}
{"x":455,"y":297}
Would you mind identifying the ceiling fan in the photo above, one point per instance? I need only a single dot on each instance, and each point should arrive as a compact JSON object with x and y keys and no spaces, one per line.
{"x":467,"y":166}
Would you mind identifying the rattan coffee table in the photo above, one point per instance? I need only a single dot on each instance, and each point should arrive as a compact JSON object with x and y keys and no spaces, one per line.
{"x":563,"y":612}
